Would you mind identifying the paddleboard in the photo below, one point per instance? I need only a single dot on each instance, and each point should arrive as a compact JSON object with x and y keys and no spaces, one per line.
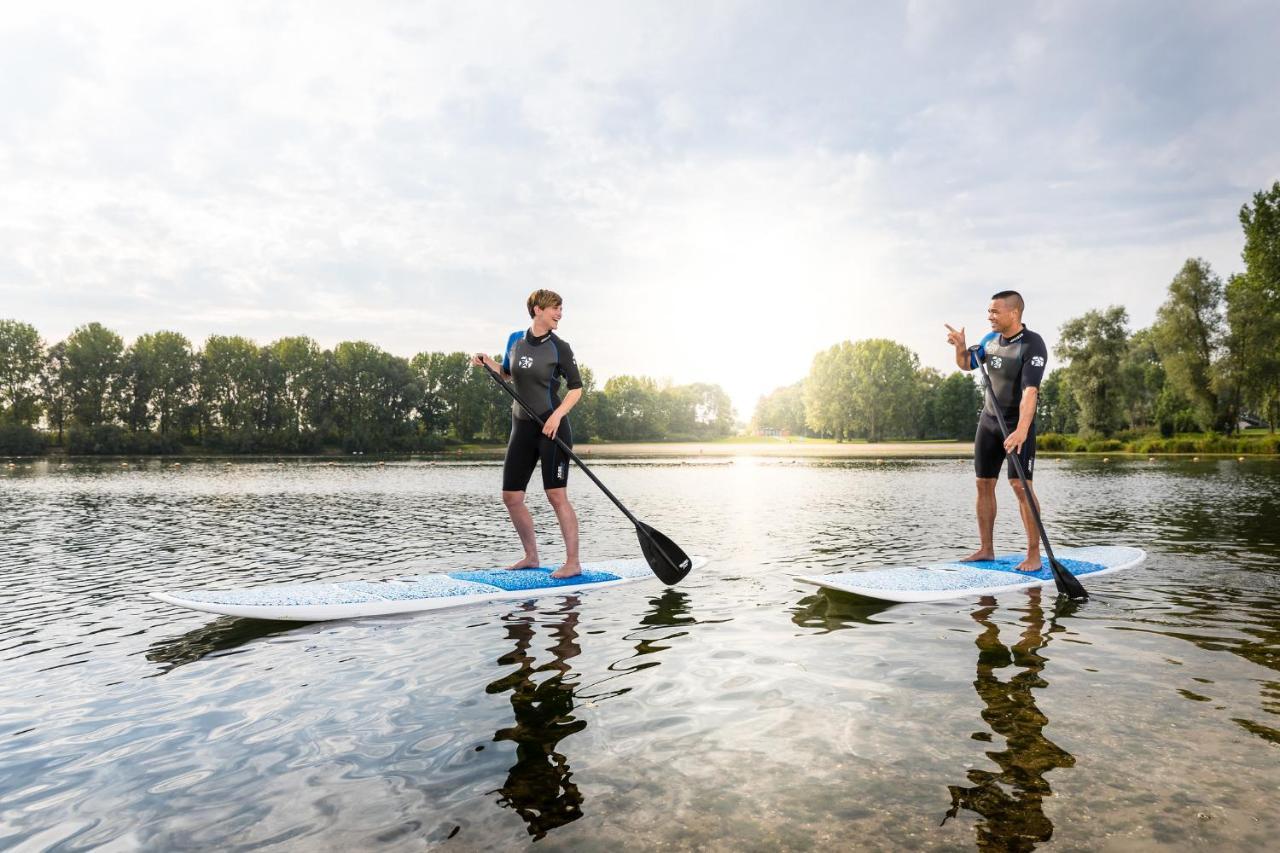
{"x":318,"y":602}
{"x":942,"y":581}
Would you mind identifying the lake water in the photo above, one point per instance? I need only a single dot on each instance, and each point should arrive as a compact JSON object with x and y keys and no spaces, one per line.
{"x":739,"y":710}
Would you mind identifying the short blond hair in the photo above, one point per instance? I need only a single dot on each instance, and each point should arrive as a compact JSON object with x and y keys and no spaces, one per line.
{"x":543,"y":299}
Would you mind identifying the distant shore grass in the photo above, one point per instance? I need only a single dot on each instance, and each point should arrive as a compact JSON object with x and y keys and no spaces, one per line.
{"x":1258,"y":443}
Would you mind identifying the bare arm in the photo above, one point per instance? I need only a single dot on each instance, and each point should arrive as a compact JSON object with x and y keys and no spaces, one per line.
{"x":955,"y":337}
{"x":1026,"y":413}
{"x":553,"y":420}
{"x":480,"y":358}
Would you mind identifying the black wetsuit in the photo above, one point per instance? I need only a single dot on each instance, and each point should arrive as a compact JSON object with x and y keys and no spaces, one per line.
{"x":535,"y":366}
{"x":1014,"y":364}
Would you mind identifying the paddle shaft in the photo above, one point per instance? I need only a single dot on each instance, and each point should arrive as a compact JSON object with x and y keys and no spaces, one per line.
{"x":1026,"y":486}
{"x":566,"y":448}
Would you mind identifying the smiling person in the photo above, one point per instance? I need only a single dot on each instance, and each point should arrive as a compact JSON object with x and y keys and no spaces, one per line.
{"x":536,"y":359}
{"x":1015,"y":357}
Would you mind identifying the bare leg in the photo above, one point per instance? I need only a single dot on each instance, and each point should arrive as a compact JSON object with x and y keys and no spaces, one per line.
{"x":1032,"y":563}
{"x":568,"y":519}
{"x":523,"y":522}
{"x":986,"y":521}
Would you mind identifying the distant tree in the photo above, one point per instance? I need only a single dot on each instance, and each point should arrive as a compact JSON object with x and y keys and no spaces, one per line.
{"x":635,"y":410}
{"x":299,"y":383}
{"x":1056,"y":407}
{"x":955,"y":404}
{"x":1253,"y":307}
{"x":159,"y":377}
{"x":782,"y":410}
{"x":1142,"y":378}
{"x":230,"y":379}
{"x":55,"y":391}
{"x":828,"y":393}
{"x":21,"y":360}
{"x":1094,"y":345}
{"x":1188,"y":332}
{"x":883,"y":388}
{"x":93,"y":364}
{"x":374,"y":395}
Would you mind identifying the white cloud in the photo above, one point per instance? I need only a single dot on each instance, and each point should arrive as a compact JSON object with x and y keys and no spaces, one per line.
{"x":718,"y":190}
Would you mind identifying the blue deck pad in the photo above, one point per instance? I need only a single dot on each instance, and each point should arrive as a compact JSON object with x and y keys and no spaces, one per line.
{"x":1009,"y":564}
{"x":517,"y":579}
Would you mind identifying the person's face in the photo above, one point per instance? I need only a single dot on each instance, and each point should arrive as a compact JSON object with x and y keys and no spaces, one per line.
{"x":1002,"y":316}
{"x":550,"y":317}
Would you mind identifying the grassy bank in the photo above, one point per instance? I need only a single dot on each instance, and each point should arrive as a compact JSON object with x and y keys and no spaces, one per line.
{"x":1255,"y":444}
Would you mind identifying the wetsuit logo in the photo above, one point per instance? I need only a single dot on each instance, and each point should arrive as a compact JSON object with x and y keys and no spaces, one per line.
{"x":560,"y":472}
{"x":996,"y":361}
{"x":1037,"y":361}
{"x":526,"y":361}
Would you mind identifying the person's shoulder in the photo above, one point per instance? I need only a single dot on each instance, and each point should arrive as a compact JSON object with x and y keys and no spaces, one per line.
{"x":1032,"y":338}
{"x":558,"y":341}
{"x":518,"y":334}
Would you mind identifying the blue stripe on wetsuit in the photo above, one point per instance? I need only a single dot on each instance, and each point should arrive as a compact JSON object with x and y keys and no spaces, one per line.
{"x":974,"y":360}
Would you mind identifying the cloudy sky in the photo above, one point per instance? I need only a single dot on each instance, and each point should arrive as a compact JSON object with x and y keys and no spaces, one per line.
{"x":717,"y":189}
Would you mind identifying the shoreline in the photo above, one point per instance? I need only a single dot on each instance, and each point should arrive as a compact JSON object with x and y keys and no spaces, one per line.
{"x":661,"y":450}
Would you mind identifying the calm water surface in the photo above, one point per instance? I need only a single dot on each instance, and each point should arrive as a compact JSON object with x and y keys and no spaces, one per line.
{"x":739,"y":710}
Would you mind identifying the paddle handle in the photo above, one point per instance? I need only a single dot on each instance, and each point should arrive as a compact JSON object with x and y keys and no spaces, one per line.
{"x":566,"y":448}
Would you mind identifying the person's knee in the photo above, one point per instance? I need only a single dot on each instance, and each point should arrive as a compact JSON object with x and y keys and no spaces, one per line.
{"x":986,"y":486}
{"x":513,"y":499}
{"x":558,"y":498}
{"x":1018,"y":489}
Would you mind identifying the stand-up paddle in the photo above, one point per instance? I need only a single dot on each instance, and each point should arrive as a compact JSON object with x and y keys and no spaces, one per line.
{"x":667,"y":560}
{"x":1066,"y":582}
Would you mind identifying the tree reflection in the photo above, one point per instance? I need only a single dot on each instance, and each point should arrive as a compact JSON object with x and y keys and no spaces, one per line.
{"x":1011,"y":801}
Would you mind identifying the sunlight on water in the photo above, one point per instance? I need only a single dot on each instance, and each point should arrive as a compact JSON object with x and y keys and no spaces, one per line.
{"x":740,"y":709}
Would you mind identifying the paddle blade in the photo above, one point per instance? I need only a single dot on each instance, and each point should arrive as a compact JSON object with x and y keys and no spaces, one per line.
{"x":668,"y":561}
{"x":1066,"y":582}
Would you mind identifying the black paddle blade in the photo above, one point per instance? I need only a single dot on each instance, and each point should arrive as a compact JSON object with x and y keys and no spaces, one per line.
{"x":668,"y":561}
{"x":1066,"y":582}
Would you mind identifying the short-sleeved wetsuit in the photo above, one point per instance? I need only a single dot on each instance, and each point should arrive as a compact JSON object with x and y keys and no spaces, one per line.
{"x":536,"y":365}
{"x":1013,"y":364}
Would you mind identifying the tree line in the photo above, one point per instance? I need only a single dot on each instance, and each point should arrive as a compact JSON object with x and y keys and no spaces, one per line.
{"x":1209,"y":361}
{"x":93,"y":394}
{"x":873,"y":389}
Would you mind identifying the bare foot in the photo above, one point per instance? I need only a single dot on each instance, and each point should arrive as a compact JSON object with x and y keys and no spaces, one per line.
{"x":979,"y":555}
{"x":568,"y":570}
{"x":1031,"y":564}
{"x":526,"y":563}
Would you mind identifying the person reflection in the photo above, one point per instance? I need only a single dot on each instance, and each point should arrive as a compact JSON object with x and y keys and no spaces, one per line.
{"x":539,"y":786}
{"x":1010,"y":801}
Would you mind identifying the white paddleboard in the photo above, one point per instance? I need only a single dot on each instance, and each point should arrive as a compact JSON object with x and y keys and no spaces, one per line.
{"x":942,"y":581}
{"x":318,"y":602}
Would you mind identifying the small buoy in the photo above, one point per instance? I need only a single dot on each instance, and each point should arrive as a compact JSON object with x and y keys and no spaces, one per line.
{"x":879,"y":461}
{"x":1195,"y":458}
{"x":1106,"y":459}
{"x":1151,"y":459}
{"x":1239,"y":458}
{"x":124,"y":464}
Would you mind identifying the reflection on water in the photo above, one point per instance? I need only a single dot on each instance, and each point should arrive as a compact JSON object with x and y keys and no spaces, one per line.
{"x":1011,"y":801}
{"x":736,"y":711}
{"x":539,"y":786}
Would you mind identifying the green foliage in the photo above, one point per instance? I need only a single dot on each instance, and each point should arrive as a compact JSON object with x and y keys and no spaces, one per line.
{"x":1095,"y":344}
{"x":159,"y":378}
{"x":1253,"y":309}
{"x":1188,"y":332}
{"x":21,"y":359}
{"x":20,"y":440}
{"x":954,"y":404}
{"x":1056,"y":407}
{"x":93,"y":362}
{"x":781,"y":411}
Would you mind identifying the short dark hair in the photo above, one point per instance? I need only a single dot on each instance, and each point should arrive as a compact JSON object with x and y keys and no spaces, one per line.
{"x":1013,"y":297}
{"x":543,"y":299}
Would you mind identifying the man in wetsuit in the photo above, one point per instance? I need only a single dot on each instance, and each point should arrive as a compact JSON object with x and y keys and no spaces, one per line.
{"x":535,"y":360}
{"x":1015,"y":358}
